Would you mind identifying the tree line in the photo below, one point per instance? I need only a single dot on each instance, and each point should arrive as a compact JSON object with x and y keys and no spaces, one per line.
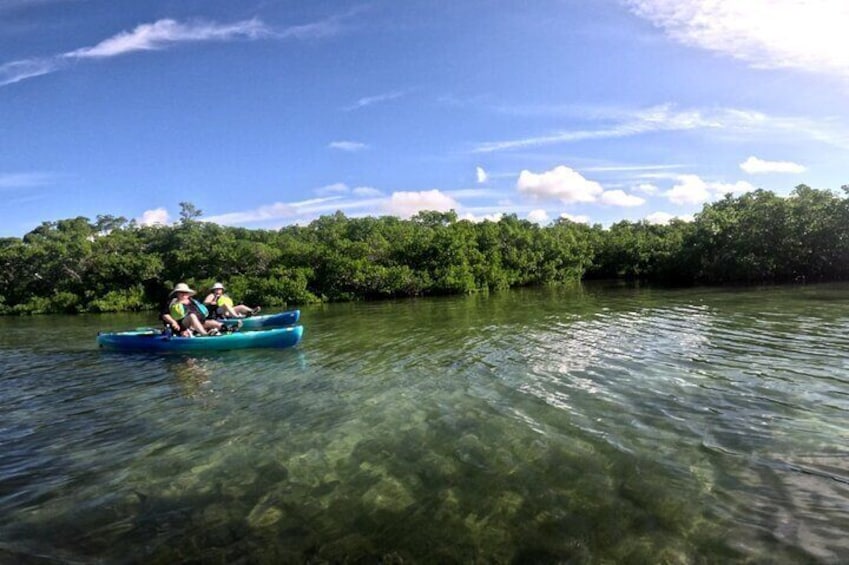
{"x":112,"y":264}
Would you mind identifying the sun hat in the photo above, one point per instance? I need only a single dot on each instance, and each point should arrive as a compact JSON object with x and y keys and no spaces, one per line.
{"x":217,"y":285}
{"x":182,"y":287}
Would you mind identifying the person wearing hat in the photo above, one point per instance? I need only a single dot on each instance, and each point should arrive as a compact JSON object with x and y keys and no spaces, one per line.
{"x":189,"y":314}
{"x":222,"y":305}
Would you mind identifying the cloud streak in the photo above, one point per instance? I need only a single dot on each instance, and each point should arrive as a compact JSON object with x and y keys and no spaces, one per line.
{"x":348,"y":146}
{"x":278,"y":210}
{"x":160,"y":35}
{"x":163,"y":33}
{"x":377,"y":99}
{"x":665,"y":118}
{"x":25,"y":180}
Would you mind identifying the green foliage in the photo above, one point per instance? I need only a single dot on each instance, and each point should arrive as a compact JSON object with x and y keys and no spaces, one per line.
{"x":113,"y":265}
{"x":121,"y":300}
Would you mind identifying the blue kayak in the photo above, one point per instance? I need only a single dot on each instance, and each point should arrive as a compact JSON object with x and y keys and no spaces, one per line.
{"x":154,"y":340}
{"x":281,"y":320}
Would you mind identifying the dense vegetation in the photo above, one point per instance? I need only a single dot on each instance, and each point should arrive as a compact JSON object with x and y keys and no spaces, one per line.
{"x":76,"y":265}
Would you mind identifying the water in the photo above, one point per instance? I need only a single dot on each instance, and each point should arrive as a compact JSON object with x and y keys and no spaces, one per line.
{"x":585,"y":425}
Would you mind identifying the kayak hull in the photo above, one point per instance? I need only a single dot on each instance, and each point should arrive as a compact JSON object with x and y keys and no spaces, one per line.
{"x":280,"y":320}
{"x":151,"y":340}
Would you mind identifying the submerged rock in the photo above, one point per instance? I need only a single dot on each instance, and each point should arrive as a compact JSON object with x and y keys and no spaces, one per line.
{"x":266,"y":513}
{"x":388,"y":494}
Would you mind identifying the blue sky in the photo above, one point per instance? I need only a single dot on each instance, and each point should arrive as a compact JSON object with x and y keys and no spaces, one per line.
{"x":268,"y":113}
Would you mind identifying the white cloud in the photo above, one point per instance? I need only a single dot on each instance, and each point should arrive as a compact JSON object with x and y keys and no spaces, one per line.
{"x":157,"y":216}
{"x":406,"y":204}
{"x":481,"y":175}
{"x":561,"y":183}
{"x":647,"y":188}
{"x":539,"y":216}
{"x":691,"y":189}
{"x":486,"y":217}
{"x":580,"y":219}
{"x":664,"y":218}
{"x":350,"y":146}
{"x":620,"y":198}
{"x":659,"y":218}
{"x":753,"y":166}
{"x":798,"y":34}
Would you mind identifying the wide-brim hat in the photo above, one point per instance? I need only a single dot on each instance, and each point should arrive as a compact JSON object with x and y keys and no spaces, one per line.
{"x":182,"y":287}
{"x":217,"y":285}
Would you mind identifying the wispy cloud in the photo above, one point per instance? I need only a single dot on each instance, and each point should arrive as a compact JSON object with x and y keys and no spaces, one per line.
{"x":340,"y":188}
{"x":627,"y":168}
{"x":17,"y":71}
{"x":278,"y":210}
{"x":331,"y":189}
{"x":797,"y":34}
{"x":349,"y":146}
{"x":471,"y":193}
{"x":666,"y":118}
{"x":365,"y":191}
{"x":25,"y":180}
{"x":328,"y":27}
{"x":377,"y":99}
{"x":657,"y":118}
{"x":163,"y":33}
{"x":158,"y":35}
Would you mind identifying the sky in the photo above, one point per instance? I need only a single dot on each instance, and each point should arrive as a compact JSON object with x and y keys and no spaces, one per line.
{"x":268,"y":113}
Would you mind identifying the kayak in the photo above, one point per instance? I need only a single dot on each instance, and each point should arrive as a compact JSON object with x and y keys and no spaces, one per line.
{"x":265,"y":321}
{"x":153,"y":340}
{"x":251,"y":323}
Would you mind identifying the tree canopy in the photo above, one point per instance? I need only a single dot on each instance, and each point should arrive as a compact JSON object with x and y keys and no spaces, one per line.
{"x":111,"y":264}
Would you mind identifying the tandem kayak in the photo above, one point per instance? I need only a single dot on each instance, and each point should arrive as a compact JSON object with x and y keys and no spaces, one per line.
{"x":153,"y":340}
{"x":281,"y":320}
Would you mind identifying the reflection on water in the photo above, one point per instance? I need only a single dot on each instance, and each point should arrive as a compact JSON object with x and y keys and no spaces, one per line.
{"x":585,"y":425}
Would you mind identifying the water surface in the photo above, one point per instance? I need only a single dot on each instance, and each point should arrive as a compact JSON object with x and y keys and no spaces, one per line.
{"x":589,"y":424}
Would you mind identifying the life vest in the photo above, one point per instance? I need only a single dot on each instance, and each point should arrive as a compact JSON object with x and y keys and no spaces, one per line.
{"x":224,"y":300}
{"x":179,"y":310}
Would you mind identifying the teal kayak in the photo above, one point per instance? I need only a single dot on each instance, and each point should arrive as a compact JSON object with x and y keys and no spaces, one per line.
{"x":154,"y":340}
{"x":280,"y":320}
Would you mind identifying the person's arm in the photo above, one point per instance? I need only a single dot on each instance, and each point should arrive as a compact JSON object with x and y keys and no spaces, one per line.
{"x":209,"y":300}
{"x":169,"y":319}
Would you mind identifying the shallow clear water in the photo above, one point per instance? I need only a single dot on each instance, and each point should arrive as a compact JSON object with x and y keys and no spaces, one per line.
{"x":592,"y":424}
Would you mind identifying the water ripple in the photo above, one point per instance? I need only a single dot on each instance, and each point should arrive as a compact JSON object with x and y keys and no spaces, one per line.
{"x":543,"y":425}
